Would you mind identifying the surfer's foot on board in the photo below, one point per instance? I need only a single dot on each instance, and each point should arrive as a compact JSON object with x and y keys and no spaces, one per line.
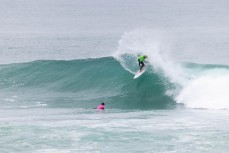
{"x":141,"y":68}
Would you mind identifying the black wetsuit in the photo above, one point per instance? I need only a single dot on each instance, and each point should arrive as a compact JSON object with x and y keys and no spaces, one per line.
{"x":141,"y":64}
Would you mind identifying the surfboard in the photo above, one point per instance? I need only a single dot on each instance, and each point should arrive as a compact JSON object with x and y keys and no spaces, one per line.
{"x":139,"y":73}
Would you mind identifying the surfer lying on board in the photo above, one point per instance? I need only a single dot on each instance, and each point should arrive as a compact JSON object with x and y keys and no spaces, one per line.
{"x":101,"y":106}
{"x":141,"y":61}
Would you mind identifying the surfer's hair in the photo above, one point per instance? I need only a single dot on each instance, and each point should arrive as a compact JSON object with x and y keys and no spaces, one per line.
{"x":102,"y":103}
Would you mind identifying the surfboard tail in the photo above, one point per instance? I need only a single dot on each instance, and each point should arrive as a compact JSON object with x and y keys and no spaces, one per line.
{"x":139,"y":73}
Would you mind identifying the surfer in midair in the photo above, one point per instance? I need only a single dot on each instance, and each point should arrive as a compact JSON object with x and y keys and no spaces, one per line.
{"x":141,"y":61}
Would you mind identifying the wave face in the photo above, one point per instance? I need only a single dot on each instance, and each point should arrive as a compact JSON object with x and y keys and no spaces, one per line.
{"x":84,"y":83}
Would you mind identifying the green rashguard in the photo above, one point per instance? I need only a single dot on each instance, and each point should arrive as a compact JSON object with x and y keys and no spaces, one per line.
{"x":141,"y":58}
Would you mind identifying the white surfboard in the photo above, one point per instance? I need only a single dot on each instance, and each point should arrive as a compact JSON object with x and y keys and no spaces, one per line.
{"x":139,"y":73}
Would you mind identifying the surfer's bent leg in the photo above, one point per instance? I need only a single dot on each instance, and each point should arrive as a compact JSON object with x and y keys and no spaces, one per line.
{"x":142,"y":63}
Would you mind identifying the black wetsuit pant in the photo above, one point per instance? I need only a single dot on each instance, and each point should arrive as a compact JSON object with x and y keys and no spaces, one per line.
{"x":141,"y":64}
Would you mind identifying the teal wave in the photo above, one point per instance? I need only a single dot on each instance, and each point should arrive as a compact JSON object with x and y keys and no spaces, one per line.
{"x":87,"y":82}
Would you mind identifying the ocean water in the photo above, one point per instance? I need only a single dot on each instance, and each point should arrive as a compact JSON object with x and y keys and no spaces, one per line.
{"x":61,"y":59}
